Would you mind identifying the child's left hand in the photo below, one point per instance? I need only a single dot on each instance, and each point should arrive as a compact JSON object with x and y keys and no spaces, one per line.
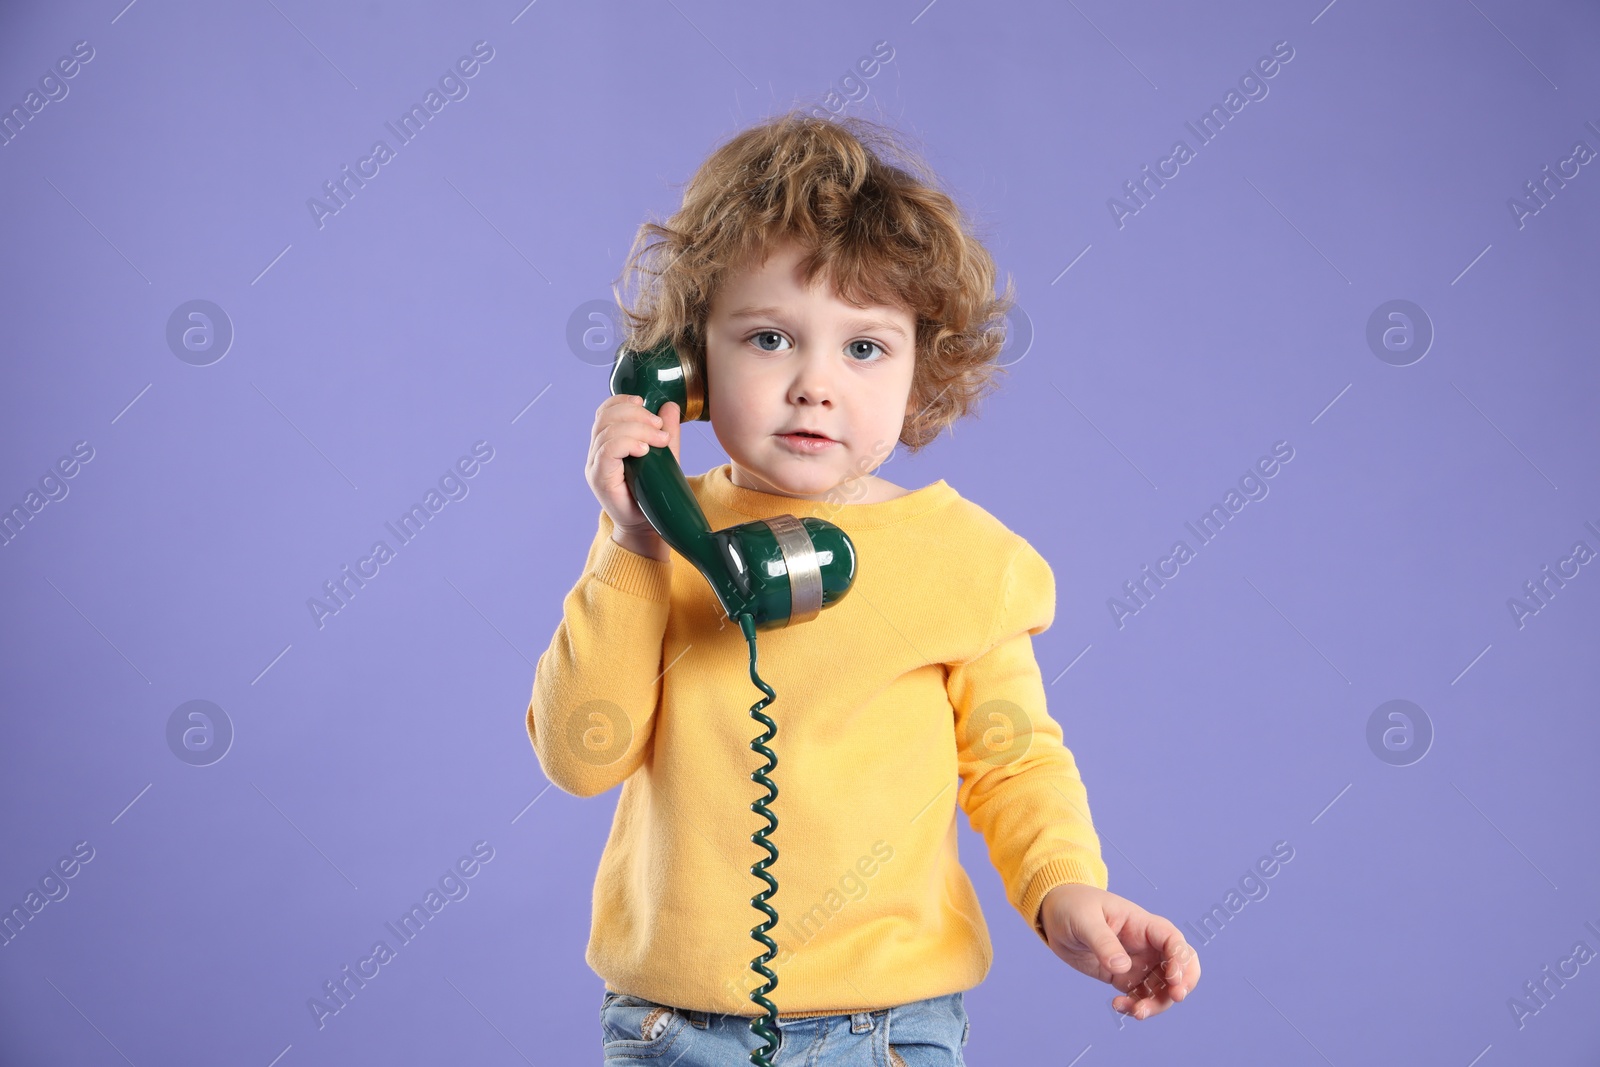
{"x":1090,"y":928}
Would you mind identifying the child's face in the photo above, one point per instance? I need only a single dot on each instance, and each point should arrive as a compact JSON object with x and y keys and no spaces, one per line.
{"x":782,"y":357}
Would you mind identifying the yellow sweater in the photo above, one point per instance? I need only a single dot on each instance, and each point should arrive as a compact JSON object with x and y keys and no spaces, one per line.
{"x":922,"y":673}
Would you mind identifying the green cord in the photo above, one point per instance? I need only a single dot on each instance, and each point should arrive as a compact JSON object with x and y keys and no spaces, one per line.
{"x":763,"y":1026}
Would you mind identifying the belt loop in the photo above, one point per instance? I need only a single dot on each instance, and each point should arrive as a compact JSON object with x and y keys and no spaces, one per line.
{"x":860,"y":1022}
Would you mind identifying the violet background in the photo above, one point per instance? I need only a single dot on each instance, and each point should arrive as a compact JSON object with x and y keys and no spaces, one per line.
{"x":434,"y":310}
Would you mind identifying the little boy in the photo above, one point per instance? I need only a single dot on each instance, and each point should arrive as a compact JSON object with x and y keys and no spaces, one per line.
{"x":833,"y":303}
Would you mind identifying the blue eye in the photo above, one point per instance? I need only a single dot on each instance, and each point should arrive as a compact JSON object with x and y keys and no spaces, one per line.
{"x":852,"y":348}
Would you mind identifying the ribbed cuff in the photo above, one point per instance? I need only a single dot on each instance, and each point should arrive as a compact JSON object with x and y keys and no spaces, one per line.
{"x":630,"y":572}
{"x":1052,"y":874}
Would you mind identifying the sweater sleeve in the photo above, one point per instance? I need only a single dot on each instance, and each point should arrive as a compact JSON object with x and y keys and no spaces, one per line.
{"x":596,"y":688}
{"x":1019,"y":784}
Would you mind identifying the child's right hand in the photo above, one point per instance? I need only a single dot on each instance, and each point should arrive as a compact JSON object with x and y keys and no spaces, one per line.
{"x":623,"y":427}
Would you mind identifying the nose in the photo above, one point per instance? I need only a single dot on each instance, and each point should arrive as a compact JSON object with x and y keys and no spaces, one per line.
{"x":812,"y":383}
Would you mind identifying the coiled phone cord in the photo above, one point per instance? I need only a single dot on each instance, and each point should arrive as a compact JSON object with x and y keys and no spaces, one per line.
{"x":763,"y":1026}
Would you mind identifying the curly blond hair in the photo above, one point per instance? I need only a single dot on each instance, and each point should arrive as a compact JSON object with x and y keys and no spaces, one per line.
{"x":874,"y":222}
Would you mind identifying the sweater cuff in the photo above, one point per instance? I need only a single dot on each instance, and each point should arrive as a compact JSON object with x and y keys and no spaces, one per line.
{"x":624,"y":569}
{"x":1052,"y":874}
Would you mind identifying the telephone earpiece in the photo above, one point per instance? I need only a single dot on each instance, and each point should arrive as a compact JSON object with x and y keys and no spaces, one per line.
{"x":779,"y":571}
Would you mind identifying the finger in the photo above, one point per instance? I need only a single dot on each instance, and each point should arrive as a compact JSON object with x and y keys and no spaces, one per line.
{"x":1154,"y":942}
{"x":1128,"y":1006}
{"x":1149,"y":996}
{"x":639,"y":424}
{"x":618,"y":400}
{"x":1104,"y":944}
{"x":1141,"y":1008}
{"x":633,"y":413}
{"x":1191,"y":974}
{"x":1147,"y":978}
{"x":616,"y":442}
{"x":623,"y":409}
{"x":1177,"y":955}
{"x":1154,"y":994}
{"x":671,"y":417}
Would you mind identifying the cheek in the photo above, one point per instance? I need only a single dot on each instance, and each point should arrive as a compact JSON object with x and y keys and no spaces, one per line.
{"x":748,"y":387}
{"x":735,"y":405}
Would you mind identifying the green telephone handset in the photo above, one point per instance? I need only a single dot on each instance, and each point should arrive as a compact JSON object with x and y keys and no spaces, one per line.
{"x":780,"y":571}
{"x":766,"y":574}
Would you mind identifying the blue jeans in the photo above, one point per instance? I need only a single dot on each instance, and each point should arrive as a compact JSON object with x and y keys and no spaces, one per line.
{"x":924,"y":1033}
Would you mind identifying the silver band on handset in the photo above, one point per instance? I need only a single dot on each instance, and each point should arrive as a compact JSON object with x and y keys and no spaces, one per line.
{"x":800,"y":560}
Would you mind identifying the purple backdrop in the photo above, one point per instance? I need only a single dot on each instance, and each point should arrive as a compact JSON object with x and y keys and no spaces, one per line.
{"x":1379,"y":261}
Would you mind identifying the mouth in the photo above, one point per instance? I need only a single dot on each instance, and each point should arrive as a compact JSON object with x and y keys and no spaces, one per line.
{"x":804,"y":441}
